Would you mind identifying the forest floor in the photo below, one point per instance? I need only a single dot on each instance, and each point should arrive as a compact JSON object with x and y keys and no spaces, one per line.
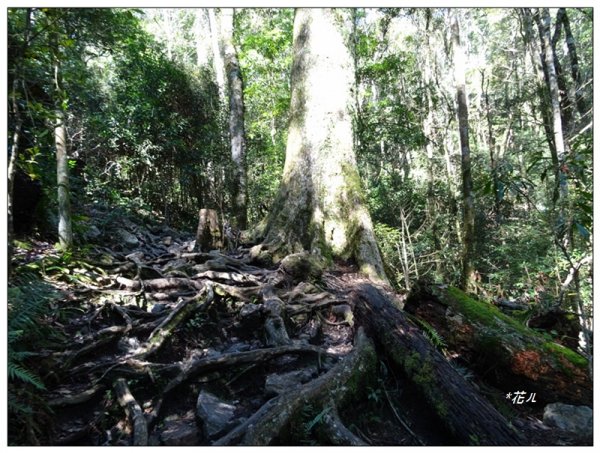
{"x":166,"y":345}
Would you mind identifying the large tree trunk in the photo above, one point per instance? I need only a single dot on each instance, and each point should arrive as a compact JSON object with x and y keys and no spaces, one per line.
{"x":468,"y":218}
{"x":320,"y":206}
{"x":65,"y":232}
{"x":468,"y":416}
{"x":236,"y":117}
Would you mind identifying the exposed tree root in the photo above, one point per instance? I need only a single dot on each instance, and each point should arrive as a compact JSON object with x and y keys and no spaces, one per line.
{"x":158,"y":284}
{"x":274,"y":324}
{"x":252,"y":335}
{"x":336,"y":432}
{"x":179,"y":314}
{"x":133,"y":411}
{"x":338,"y":385}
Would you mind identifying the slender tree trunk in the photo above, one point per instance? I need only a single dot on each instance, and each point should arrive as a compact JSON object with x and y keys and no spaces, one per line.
{"x":65,"y":232}
{"x":491,"y":142}
{"x":218,"y":65}
{"x":468,"y":214}
{"x":12,"y":169}
{"x":574,"y":60}
{"x":320,"y":205}
{"x":566,"y":103}
{"x":14,"y":148}
{"x":539,"y":66}
{"x":543,"y":18}
{"x":202,"y":35}
{"x":236,"y":118}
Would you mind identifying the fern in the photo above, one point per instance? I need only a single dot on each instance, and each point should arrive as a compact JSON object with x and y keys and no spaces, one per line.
{"x":436,"y":339}
{"x":30,"y":301}
{"x":17,"y":371}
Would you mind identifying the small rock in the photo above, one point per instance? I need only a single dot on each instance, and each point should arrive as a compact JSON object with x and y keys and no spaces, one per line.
{"x":180,"y":431}
{"x":573,"y":419}
{"x":136,"y":257}
{"x":217,"y":415}
{"x":251,"y":316}
{"x":127,"y":238}
{"x":147,"y":272}
{"x":303,"y":265}
{"x":158,"y":308}
{"x":128,"y":344}
{"x":92,"y":233}
{"x":168,"y":240}
{"x":282,"y":383}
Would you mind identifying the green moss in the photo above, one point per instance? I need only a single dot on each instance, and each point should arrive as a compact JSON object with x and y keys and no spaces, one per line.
{"x":574,"y":358}
{"x":499,"y":325}
{"x":484,"y":313}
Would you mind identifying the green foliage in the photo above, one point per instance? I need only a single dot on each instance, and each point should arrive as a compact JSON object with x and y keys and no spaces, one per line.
{"x":264,"y":38}
{"x":30,"y":303}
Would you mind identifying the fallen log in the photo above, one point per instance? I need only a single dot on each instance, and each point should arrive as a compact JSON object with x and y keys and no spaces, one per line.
{"x":510,"y":355}
{"x":469,"y":417}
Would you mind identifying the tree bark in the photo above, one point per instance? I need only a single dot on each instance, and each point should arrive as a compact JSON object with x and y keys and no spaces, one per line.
{"x":539,"y":66}
{"x":574,"y":61}
{"x":65,"y":232}
{"x":542,"y":16}
{"x":468,"y":214}
{"x":218,"y":65}
{"x":468,"y":416}
{"x":208,"y":234}
{"x":320,"y":206}
{"x":236,"y":117}
{"x":14,"y":149}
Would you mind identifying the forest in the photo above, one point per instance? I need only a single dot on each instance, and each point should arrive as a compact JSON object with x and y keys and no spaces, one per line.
{"x":279,"y":226}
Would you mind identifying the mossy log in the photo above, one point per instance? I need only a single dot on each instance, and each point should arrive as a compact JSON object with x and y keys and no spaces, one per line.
{"x":513,"y":356}
{"x":469,"y":417}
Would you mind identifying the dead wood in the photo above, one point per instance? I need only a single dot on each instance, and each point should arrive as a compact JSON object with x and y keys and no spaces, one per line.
{"x":512,"y":355}
{"x":470,"y":418}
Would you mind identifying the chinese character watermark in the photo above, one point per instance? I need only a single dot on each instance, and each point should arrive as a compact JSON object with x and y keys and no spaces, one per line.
{"x":519,"y":397}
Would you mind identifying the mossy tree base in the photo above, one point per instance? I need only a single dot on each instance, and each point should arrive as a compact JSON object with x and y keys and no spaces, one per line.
{"x":513,"y":356}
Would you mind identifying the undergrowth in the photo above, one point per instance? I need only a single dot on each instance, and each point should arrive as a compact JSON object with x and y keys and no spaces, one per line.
{"x":31,"y":304}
